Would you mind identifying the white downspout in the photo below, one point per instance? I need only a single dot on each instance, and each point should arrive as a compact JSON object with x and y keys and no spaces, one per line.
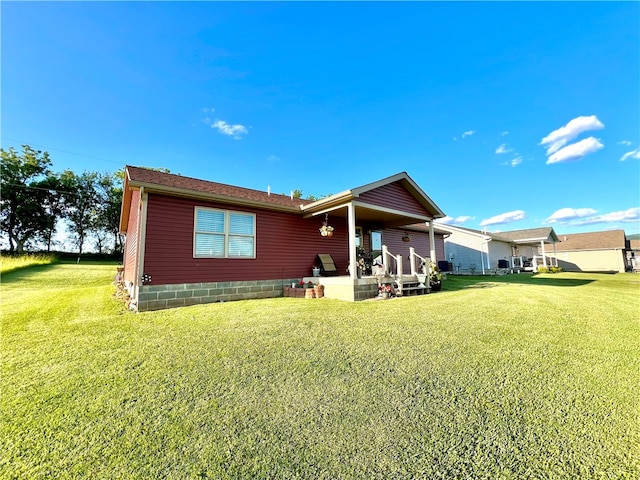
{"x":482,"y":256}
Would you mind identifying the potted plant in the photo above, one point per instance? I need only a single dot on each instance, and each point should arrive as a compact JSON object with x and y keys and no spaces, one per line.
{"x":435,"y":277}
{"x":385,"y":290}
{"x":326,"y":230}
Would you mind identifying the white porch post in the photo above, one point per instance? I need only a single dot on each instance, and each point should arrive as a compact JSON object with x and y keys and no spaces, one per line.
{"x":432,"y":243}
{"x":544,"y":255}
{"x":385,"y":259}
{"x":555,"y":254}
{"x":351,"y":220}
{"x":412,"y":252}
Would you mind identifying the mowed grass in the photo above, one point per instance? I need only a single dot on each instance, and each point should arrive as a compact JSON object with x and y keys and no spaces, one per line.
{"x":10,"y":263}
{"x":510,"y":377}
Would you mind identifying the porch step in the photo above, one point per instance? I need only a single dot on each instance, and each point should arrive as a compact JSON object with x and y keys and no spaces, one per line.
{"x":417,"y":290}
{"x":411,"y":286}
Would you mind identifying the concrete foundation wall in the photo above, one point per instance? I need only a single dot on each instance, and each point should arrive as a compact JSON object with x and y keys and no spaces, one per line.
{"x":158,"y":297}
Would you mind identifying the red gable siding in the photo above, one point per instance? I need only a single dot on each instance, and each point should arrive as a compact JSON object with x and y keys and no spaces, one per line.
{"x":395,"y":196}
{"x":131,"y":242}
{"x":286,"y":245}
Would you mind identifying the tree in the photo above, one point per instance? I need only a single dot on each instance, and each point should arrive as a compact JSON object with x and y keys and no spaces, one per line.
{"x":50,"y":192}
{"x":81,"y":204}
{"x":21,"y":210}
{"x":108,"y":211}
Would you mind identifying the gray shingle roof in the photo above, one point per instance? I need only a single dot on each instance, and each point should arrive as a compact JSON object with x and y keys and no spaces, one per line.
{"x":541,"y":233}
{"x":592,"y":241}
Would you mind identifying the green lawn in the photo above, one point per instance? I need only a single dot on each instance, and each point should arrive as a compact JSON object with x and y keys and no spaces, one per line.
{"x":9,"y":263}
{"x":510,"y":377}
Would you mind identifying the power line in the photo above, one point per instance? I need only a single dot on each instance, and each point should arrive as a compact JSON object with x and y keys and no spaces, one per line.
{"x":30,"y":187}
{"x":60,"y":150}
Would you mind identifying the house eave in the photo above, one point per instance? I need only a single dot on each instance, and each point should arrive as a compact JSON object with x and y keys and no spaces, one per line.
{"x":534,"y":240}
{"x":211,"y":197}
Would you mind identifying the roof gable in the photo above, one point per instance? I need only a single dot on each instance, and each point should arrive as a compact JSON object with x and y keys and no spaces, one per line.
{"x":399,"y":186}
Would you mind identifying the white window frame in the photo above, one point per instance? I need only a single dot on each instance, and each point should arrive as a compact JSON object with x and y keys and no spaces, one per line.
{"x":226,"y":233}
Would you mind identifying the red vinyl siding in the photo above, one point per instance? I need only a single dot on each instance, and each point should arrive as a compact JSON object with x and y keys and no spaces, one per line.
{"x":392,"y":238}
{"x":131,"y":239}
{"x":286,"y":245}
{"x":394,"y":196}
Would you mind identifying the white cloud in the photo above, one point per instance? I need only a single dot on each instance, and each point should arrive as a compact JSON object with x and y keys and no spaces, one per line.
{"x":468,"y":133}
{"x":235,"y":131}
{"x":566,"y":215}
{"x":504,"y":218}
{"x":504,"y":133}
{"x":273,"y":158}
{"x":454,"y":221}
{"x":516,"y":161}
{"x":624,"y":142}
{"x":504,"y":148}
{"x":576,"y":150}
{"x":632,"y":154}
{"x":563,"y":135}
{"x":205,"y":109}
{"x":626,"y":216}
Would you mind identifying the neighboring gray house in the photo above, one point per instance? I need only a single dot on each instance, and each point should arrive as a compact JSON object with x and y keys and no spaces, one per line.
{"x":477,"y":252}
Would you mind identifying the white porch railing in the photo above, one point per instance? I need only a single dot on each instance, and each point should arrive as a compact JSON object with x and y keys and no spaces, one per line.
{"x":544,"y":261}
{"x":419,"y":272}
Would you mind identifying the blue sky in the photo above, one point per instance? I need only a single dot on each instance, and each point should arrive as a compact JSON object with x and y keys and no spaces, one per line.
{"x":509,"y":115}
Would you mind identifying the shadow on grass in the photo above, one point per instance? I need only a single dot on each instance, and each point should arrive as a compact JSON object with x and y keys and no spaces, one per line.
{"x":18,"y":274}
{"x":22,"y":273}
{"x":461,"y":282}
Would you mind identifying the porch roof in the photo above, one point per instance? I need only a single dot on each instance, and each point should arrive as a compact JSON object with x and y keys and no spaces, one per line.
{"x":392,"y":215}
{"x":531,"y":235}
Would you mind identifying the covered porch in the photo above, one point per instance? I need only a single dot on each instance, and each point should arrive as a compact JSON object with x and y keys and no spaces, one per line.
{"x":529,"y":254}
{"x":390,"y":237}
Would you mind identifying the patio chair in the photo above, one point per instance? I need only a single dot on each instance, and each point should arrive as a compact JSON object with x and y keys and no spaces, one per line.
{"x":327,"y":265}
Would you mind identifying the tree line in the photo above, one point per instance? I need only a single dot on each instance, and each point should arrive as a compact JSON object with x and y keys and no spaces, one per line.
{"x":34,"y":200}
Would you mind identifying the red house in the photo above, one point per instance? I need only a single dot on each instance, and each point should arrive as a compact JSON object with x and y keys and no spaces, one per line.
{"x":191,"y":241}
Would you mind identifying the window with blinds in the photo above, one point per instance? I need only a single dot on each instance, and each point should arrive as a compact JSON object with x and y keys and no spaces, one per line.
{"x":224,"y":234}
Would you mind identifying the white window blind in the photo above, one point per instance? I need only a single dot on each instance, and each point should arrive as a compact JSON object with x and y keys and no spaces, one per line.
{"x":221,"y":233}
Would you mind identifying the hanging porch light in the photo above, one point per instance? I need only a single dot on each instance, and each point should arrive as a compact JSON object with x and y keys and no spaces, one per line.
{"x":326,"y":230}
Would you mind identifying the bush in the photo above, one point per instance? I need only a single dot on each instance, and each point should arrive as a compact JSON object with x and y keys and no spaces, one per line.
{"x":549,"y":269}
